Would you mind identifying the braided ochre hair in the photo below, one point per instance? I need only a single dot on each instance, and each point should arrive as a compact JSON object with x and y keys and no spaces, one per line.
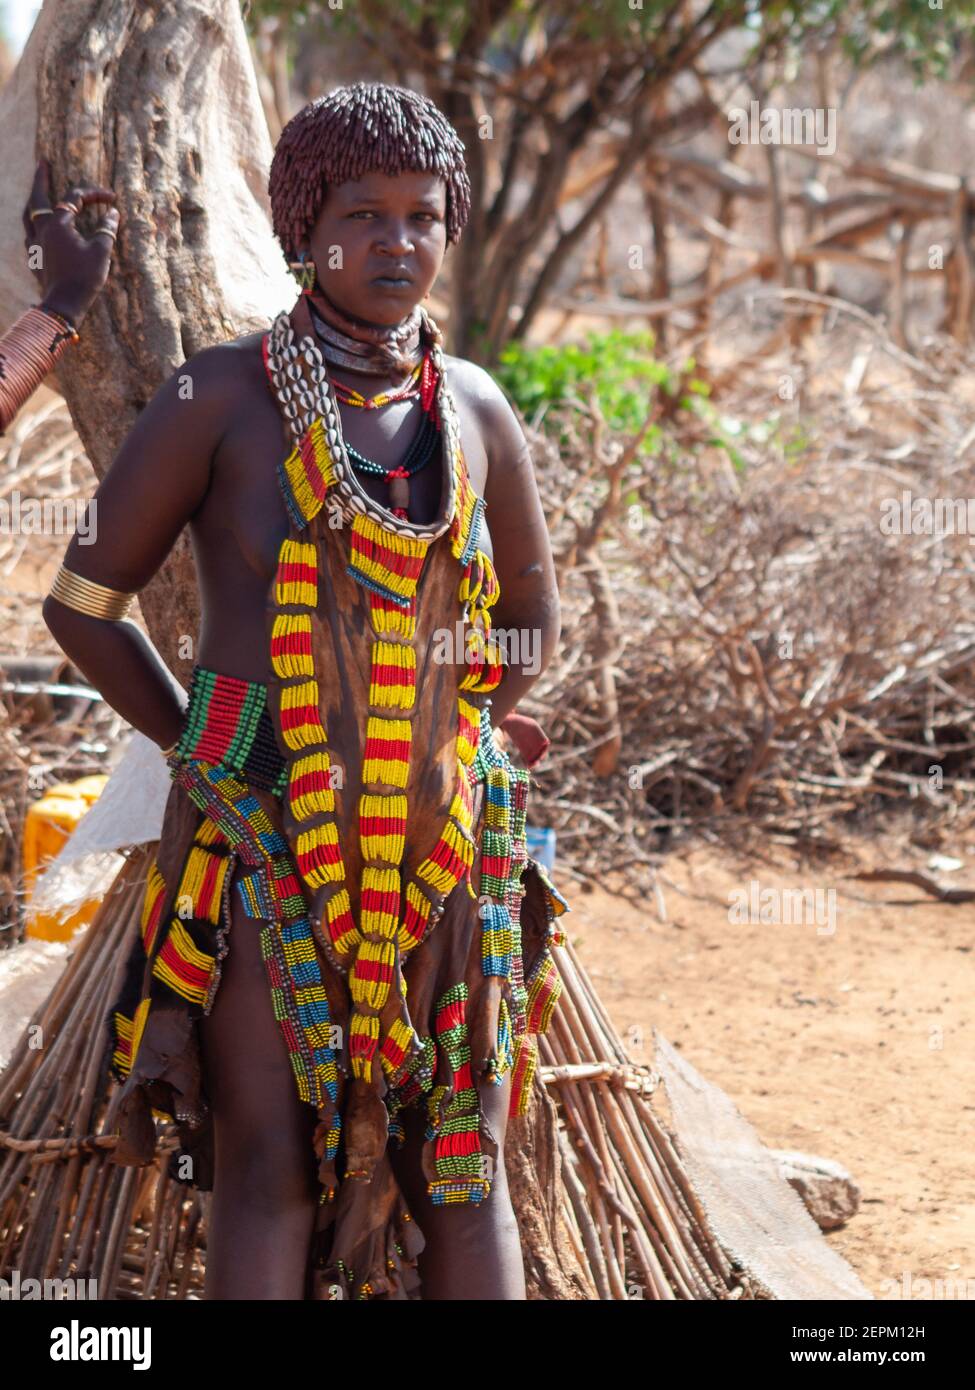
{"x":350,"y":132}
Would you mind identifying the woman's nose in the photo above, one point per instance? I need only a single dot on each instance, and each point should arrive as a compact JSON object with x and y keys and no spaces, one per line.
{"x":395,"y":238}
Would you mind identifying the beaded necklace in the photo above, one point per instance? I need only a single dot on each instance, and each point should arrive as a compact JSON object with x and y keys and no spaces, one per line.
{"x":310,"y":406}
{"x":425,"y":443}
{"x":424,"y":446}
{"x":348,"y":395}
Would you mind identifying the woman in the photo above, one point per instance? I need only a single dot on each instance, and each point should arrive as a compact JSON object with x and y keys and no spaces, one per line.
{"x":71,"y":270}
{"x":343,"y":833}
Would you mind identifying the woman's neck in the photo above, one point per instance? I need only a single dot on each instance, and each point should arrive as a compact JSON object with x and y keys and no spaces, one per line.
{"x":377,"y":350}
{"x":366,"y":324}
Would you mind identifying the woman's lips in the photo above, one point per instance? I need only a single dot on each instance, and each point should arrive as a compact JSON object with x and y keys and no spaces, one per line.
{"x":392,"y":282}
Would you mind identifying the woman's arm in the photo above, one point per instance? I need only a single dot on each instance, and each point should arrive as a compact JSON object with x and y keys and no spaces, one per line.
{"x":154,"y":486}
{"x":528,"y":609}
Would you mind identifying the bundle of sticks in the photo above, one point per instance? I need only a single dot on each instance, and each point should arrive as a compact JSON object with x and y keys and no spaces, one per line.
{"x":638,"y":1224}
{"x":66,"y":1211}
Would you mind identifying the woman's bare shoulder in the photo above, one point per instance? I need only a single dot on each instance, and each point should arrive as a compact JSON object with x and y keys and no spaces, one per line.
{"x":470,"y":383}
{"x":233,"y":365}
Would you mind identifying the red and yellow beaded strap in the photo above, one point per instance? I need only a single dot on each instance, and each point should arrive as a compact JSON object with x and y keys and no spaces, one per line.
{"x":479,"y":589}
{"x":127,"y":1027}
{"x":450,"y":861}
{"x":389,"y":567}
{"x":152,"y":908}
{"x":180,"y":963}
{"x":523,"y":1067}
{"x":311,"y":796}
{"x":307,"y":474}
{"x":305,"y":477}
{"x":128,"y":1035}
{"x":452,"y":856}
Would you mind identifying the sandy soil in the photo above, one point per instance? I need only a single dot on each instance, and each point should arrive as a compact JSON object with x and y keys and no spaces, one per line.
{"x":855,"y":1044}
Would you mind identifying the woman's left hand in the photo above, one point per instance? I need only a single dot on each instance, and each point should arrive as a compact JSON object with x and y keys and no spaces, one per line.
{"x":72,"y":267}
{"x":528,"y":736}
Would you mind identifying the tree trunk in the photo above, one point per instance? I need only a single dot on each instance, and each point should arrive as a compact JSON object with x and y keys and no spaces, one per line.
{"x":159,"y":101}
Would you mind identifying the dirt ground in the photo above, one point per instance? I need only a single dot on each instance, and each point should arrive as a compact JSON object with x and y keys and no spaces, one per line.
{"x":854,"y":1044}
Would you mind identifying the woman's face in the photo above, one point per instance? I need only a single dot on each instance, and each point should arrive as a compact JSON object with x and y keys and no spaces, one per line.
{"x":375,"y":231}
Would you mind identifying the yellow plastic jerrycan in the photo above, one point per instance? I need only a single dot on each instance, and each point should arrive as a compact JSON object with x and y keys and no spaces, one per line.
{"x":50,"y":822}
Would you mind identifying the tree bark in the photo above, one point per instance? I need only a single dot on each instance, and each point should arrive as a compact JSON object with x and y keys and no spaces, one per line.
{"x":159,"y":100}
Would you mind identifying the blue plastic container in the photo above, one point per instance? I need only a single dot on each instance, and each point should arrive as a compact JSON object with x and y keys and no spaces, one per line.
{"x":541,"y":845}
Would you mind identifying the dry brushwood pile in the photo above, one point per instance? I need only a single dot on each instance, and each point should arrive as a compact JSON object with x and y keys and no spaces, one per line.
{"x":744,"y":646}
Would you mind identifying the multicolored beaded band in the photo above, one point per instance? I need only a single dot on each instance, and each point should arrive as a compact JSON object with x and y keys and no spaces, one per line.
{"x":227,"y":723}
{"x":298,"y":994}
{"x":463,"y":1173}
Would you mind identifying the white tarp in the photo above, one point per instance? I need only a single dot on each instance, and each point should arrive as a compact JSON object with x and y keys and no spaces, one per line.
{"x":128,"y":812}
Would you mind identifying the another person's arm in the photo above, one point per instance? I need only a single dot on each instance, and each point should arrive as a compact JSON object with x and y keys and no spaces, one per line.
{"x":70,"y":269}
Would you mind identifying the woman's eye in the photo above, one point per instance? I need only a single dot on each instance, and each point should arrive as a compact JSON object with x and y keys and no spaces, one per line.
{"x":368,"y":212}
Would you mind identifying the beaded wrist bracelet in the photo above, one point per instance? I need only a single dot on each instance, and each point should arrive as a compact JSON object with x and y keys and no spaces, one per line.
{"x":28,"y":351}
{"x":62,"y":319}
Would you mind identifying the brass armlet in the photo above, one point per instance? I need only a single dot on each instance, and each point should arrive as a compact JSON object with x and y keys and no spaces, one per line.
{"x":84,"y":595}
